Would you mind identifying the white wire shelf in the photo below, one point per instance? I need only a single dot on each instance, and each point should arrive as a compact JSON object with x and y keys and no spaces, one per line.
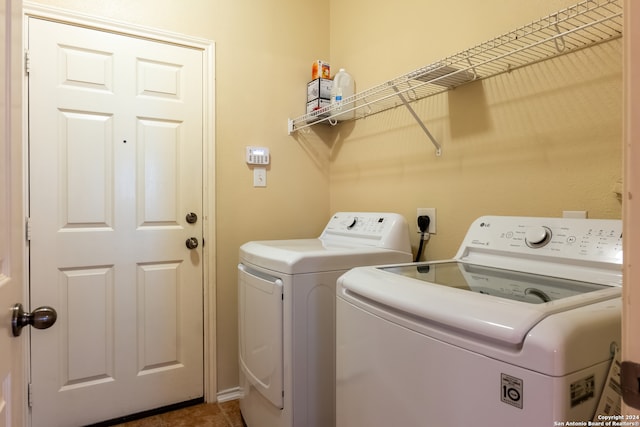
{"x":584,"y":24}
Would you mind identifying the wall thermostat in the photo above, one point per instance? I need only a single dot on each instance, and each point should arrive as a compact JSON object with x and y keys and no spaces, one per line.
{"x":257,"y":155}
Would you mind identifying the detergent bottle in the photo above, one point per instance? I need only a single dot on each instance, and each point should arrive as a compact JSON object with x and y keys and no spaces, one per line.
{"x":343,"y":88}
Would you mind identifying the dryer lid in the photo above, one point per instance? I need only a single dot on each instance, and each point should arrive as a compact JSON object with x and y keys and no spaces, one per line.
{"x":349,"y":239}
{"x":299,"y":256}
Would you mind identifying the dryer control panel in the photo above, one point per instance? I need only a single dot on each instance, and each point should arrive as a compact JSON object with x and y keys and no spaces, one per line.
{"x":378,"y":229}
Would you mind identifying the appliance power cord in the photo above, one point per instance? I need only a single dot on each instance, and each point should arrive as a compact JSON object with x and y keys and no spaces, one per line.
{"x":423,"y":226}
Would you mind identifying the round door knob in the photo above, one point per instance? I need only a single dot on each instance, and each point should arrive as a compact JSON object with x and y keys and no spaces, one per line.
{"x":192,"y":243}
{"x":40,"y":318}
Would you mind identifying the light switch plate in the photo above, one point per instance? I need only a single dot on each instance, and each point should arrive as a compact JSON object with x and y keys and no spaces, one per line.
{"x":259,"y":177}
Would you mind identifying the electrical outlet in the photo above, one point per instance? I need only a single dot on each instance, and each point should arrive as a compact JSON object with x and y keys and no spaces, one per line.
{"x":574,"y":214}
{"x":431,"y":212}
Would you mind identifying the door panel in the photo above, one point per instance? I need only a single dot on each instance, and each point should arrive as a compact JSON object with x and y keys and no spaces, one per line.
{"x":159,"y":348}
{"x":158,"y":190}
{"x":88,"y":294}
{"x":86,"y":178}
{"x":115,"y":165}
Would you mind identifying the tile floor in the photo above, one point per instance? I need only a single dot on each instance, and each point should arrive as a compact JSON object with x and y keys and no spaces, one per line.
{"x":226,"y":414}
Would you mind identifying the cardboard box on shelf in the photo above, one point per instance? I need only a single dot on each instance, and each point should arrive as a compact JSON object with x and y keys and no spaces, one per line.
{"x":319,"y":88}
{"x":320,"y":70}
{"x":315,"y":108}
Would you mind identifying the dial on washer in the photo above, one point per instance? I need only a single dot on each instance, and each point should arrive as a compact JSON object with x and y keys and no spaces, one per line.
{"x":537,"y":237}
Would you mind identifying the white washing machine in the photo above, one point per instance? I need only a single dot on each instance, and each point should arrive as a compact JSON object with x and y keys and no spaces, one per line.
{"x":518,"y":330}
{"x":286,"y":293}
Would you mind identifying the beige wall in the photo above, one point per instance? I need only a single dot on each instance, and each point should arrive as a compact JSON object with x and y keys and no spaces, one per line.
{"x":536,"y":141}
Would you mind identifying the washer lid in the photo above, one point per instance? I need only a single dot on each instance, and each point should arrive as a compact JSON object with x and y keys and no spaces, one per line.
{"x":493,"y":303}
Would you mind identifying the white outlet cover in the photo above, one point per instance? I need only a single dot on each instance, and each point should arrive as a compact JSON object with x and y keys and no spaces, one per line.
{"x":432,"y":216}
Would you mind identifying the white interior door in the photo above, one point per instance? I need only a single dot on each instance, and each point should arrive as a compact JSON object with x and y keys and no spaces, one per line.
{"x":12,"y":374}
{"x":115,"y":131}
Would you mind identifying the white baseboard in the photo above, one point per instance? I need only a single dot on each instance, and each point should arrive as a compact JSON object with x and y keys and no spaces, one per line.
{"x":229,"y":394}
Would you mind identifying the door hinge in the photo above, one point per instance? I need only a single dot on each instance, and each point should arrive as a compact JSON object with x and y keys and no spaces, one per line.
{"x":27,"y":62}
{"x":29,"y":395}
{"x":28,"y":230}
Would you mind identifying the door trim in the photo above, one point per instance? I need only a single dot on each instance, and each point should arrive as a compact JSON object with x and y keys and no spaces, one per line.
{"x":631,"y":184}
{"x":32,"y":10}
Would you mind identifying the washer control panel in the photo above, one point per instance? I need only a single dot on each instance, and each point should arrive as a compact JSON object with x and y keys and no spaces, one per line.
{"x":574,"y":238}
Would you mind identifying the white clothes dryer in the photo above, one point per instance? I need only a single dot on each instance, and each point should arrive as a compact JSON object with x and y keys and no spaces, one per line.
{"x":519,"y":329}
{"x":286,"y":297}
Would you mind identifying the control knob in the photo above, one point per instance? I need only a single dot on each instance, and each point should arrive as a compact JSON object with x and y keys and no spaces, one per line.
{"x":537,"y":237}
{"x":353,"y":222}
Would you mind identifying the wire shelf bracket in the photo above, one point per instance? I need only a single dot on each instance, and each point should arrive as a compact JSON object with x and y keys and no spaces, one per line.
{"x":420,"y":122}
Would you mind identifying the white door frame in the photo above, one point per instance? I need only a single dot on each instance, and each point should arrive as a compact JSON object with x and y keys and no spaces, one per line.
{"x":13,"y":367}
{"x":32,"y":10}
{"x":631,"y":192}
